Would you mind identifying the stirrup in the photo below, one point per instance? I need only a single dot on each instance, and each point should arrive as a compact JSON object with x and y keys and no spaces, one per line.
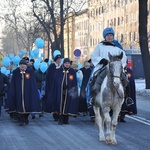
{"x":129,"y":101}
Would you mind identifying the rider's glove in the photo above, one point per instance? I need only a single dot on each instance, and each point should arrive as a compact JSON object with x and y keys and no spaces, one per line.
{"x":104,"y":61}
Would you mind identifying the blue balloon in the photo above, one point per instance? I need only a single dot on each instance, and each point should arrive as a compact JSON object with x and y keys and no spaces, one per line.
{"x":50,"y":61}
{"x":36,"y":52}
{"x":42,"y":55}
{"x":3,"y":70}
{"x":39,"y":59}
{"x":11,"y":56}
{"x":6,"y":61}
{"x":23,"y":51}
{"x":36,"y":64}
{"x":20,"y":54}
{"x":31,"y":54}
{"x":56,"y":52}
{"x":62,"y":60}
{"x":43,"y":67}
{"x":79,"y":65}
{"x":16,"y":60}
{"x":39,"y":43}
{"x":7,"y":72}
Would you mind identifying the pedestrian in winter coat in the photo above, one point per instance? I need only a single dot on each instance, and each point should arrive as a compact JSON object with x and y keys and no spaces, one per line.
{"x":49,"y":78}
{"x":3,"y":80}
{"x":23,"y":96}
{"x":63,"y":98}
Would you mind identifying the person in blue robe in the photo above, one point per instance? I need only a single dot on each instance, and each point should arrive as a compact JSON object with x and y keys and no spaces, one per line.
{"x":63,"y":98}
{"x":3,"y":82}
{"x":131,"y":108}
{"x":85,"y":92}
{"x":23,"y":96}
{"x":49,"y":78}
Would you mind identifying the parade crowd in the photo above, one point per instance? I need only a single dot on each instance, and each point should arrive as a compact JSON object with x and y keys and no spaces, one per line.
{"x":65,"y":89}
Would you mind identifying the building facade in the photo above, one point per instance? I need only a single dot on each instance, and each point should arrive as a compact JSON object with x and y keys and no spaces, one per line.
{"x":121,"y":15}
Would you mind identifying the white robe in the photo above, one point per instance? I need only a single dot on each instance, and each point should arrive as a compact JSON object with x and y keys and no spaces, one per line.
{"x":101,"y":51}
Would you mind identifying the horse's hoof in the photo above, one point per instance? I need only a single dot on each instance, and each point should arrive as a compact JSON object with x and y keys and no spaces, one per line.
{"x":114,"y":143}
{"x":109,"y":142}
{"x":102,"y":139}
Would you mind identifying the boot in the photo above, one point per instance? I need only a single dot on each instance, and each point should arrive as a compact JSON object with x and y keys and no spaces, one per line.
{"x":121,"y":117}
{"x":65,"y":119}
{"x":26,"y":120}
{"x":56,"y":117}
{"x":60,"y":122}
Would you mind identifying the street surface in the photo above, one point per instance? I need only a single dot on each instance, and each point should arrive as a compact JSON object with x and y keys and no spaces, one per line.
{"x":81,"y":134}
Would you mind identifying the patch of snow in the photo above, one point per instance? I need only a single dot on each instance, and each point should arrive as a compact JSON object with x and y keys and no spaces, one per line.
{"x":140,"y":88}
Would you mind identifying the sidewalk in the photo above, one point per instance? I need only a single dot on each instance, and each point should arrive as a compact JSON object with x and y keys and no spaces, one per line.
{"x":140,"y":88}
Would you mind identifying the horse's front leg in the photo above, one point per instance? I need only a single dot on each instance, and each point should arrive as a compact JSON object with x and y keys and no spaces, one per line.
{"x":116,"y":112}
{"x":108,"y":124}
{"x":99,"y":121}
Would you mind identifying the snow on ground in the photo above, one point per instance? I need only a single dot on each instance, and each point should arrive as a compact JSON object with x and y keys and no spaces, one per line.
{"x":140,"y":88}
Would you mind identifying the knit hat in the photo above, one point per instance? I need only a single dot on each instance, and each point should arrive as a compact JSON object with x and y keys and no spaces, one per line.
{"x":26,"y":58}
{"x":108,"y":31}
{"x":23,"y":61}
{"x":57,"y":56}
{"x":66,"y":60}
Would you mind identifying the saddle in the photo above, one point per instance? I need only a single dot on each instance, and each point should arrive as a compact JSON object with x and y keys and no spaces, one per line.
{"x":96,"y":74}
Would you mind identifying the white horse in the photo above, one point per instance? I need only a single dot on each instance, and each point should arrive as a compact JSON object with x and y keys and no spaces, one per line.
{"x":111,"y":96}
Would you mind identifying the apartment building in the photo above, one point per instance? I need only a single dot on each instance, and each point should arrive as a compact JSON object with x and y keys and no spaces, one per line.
{"x":122,"y":15}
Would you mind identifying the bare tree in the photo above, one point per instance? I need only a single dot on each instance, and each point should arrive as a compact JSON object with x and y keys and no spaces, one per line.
{"x":52,"y":15}
{"x":21,"y":29}
{"x":143,"y":12}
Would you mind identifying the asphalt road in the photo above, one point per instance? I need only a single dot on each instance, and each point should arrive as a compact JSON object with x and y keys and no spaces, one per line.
{"x":81,"y":134}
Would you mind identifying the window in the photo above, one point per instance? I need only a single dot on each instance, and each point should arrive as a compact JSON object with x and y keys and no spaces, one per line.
{"x":126,"y":18}
{"x":121,"y":40}
{"x":114,"y":21}
{"x":99,"y":10}
{"x":90,"y":42}
{"x":122,"y":20}
{"x":118,"y":21}
{"x":130,"y":37}
{"x":107,"y":23}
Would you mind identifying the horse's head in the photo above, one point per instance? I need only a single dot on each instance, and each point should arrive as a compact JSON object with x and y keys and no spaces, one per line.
{"x":115,"y":68}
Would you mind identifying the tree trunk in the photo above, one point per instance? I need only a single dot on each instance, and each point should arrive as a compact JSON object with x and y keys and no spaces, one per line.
{"x":62,"y":27}
{"x":143,"y":12}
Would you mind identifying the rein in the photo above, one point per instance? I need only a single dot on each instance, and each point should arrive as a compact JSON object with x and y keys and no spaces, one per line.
{"x":116,"y":76}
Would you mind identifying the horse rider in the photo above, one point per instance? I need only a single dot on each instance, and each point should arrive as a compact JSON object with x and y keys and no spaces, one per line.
{"x":100,"y":60}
